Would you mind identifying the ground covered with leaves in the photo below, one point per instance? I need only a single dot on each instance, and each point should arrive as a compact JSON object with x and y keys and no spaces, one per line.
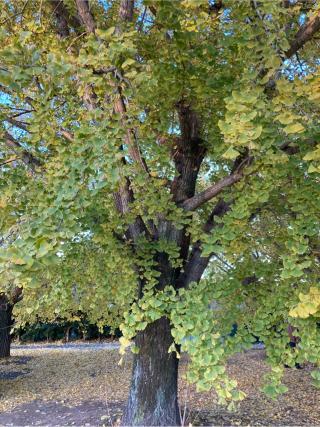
{"x":55,"y":387}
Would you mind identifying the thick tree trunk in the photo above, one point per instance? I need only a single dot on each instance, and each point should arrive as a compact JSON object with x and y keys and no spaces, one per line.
{"x":5,"y":325}
{"x":153,"y":398}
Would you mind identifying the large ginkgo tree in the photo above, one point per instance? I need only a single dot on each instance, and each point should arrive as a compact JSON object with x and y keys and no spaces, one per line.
{"x":166,"y":138}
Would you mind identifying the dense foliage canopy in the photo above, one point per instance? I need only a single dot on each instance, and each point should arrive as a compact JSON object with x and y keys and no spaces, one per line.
{"x":163,"y":159}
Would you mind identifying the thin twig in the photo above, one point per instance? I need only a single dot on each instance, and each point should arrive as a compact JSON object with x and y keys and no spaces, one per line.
{"x":9,"y":161}
{"x":142,"y":20}
{"x":16,"y":14}
{"x":74,"y":40}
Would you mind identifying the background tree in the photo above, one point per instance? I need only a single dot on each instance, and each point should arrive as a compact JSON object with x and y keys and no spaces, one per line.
{"x":7,"y":303}
{"x":10,"y":294}
{"x":168,"y":133}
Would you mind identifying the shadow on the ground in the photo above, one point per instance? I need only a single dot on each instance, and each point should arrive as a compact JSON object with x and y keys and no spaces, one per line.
{"x":53,"y":413}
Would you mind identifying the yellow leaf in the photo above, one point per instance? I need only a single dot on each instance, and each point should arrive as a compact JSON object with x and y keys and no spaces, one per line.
{"x":286,"y":118}
{"x":294,"y":128}
{"x":124,"y":342}
{"x":313,"y":155}
{"x":312,"y":169}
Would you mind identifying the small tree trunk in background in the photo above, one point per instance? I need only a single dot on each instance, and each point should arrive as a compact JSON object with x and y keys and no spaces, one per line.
{"x":5,"y":326}
{"x":67,"y":335}
{"x":153,"y":398}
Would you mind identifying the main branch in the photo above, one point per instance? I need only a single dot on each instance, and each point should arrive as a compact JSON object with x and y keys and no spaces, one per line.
{"x":208,"y":194}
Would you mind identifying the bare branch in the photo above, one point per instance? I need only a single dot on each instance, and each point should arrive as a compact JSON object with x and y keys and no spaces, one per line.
{"x":142,"y":19}
{"x":215,"y":189}
{"x":86,"y":15}
{"x":16,"y":295}
{"x":227,"y":265}
{"x":126,"y":10}
{"x":241,"y":162}
{"x":304,"y":34}
{"x":6,"y":90}
{"x":106,"y":70}
{"x":17,"y":123}
{"x":9,"y":161}
{"x":20,"y":13}
{"x":130,"y":139}
{"x":64,"y":19}
{"x":62,"y":23}
{"x":67,"y":135}
{"x":28,"y":158}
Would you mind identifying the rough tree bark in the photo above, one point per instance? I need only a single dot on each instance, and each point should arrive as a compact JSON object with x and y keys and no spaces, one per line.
{"x":5,"y":325}
{"x":153,"y":398}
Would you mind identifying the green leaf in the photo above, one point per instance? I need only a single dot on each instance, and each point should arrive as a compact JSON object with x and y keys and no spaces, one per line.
{"x":231,"y":153}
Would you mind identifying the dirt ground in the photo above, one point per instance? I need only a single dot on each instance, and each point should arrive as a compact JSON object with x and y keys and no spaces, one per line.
{"x":53,"y":387}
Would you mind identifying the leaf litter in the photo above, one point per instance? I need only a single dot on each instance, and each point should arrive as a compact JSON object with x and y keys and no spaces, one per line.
{"x":54,"y":387}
